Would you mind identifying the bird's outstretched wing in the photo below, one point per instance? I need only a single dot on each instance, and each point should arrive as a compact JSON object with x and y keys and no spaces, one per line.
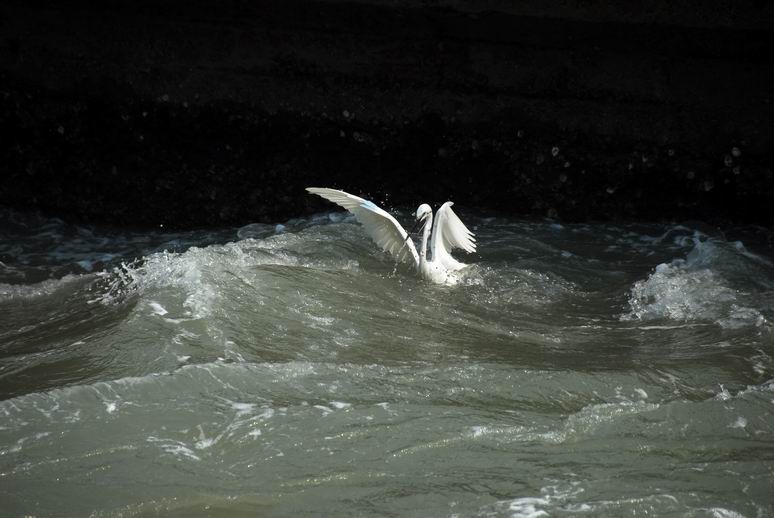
{"x":383,"y":228}
{"x":450,"y":232}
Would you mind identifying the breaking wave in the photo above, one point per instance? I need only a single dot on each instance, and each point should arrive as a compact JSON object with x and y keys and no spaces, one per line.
{"x":717,"y":281}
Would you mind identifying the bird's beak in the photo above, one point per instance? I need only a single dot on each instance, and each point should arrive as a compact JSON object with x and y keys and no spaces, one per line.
{"x":417,"y":225}
{"x":413,"y":229}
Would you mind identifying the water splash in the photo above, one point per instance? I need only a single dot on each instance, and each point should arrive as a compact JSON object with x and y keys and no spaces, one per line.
{"x":703,"y":286}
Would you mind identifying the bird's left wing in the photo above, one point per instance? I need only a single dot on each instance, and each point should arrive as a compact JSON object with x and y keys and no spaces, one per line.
{"x":450,"y":232}
{"x":383,"y":228}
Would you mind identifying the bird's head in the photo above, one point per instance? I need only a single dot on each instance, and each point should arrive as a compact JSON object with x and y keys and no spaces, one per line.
{"x":423,"y":212}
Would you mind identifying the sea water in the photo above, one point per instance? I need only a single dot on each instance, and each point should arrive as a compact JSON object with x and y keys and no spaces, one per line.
{"x":294,"y":370}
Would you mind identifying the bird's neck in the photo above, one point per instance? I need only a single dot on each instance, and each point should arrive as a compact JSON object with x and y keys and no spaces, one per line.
{"x":425,"y":235}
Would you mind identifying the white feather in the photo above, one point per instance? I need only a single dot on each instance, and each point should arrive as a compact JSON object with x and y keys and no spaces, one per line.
{"x":450,"y":232}
{"x":383,"y":228}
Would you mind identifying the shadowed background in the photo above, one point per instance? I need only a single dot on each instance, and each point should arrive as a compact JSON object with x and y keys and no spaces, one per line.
{"x":201,"y":113}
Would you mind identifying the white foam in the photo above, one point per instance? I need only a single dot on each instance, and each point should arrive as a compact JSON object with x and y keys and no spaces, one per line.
{"x":720,"y":512}
{"x":761,"y":362}
{"x":157,"y":308}
{"x":242,"y":408}
{"x":739,"y":317}
{"x":175,"y":448}
{"x":169,"y":270}
{"x":699,"y":287}
{"x":677,"y":294}
{"x":205,"y":442}
{"x":325,"y":410}
{"x":268,"y":413}
{"x":202,"y":274}
{"x":478,"y":431}
{"x":40,"y":289}
{"x":593,"y":416}
{"x":528,"y":507}
{"x":552,"y":497}
{"x":255,"y":231}
{"x":723,"y":395}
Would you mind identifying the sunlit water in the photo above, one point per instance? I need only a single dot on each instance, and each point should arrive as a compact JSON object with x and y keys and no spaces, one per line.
{"x":294,"y":370}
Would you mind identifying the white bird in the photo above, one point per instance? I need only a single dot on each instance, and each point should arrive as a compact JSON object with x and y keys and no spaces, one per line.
{"x":448,"y":232}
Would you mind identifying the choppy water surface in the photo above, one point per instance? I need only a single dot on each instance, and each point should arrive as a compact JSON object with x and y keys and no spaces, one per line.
{"x":598,"y":370}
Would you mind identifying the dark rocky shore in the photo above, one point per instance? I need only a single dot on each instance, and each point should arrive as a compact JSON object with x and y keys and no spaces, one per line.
{"x":209,"y":113}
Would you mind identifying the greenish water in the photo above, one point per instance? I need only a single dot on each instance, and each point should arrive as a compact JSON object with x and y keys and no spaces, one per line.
{"x":578,"y":370}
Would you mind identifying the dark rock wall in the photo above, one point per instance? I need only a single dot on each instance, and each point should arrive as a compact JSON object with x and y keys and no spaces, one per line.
{"x":206,"y":113}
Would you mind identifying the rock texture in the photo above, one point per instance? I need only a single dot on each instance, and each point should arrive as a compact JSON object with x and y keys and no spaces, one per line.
{"x":192,"y":113}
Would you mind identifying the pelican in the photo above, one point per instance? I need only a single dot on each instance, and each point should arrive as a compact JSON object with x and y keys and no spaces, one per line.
{"x":448,"y":232}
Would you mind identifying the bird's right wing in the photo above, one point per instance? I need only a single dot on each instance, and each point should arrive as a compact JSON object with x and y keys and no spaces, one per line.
{"x":450,"y":232}
{"x":383,"y":228}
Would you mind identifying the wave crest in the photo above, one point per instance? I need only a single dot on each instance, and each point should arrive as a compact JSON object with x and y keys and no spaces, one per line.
{"x":714,"y":282}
